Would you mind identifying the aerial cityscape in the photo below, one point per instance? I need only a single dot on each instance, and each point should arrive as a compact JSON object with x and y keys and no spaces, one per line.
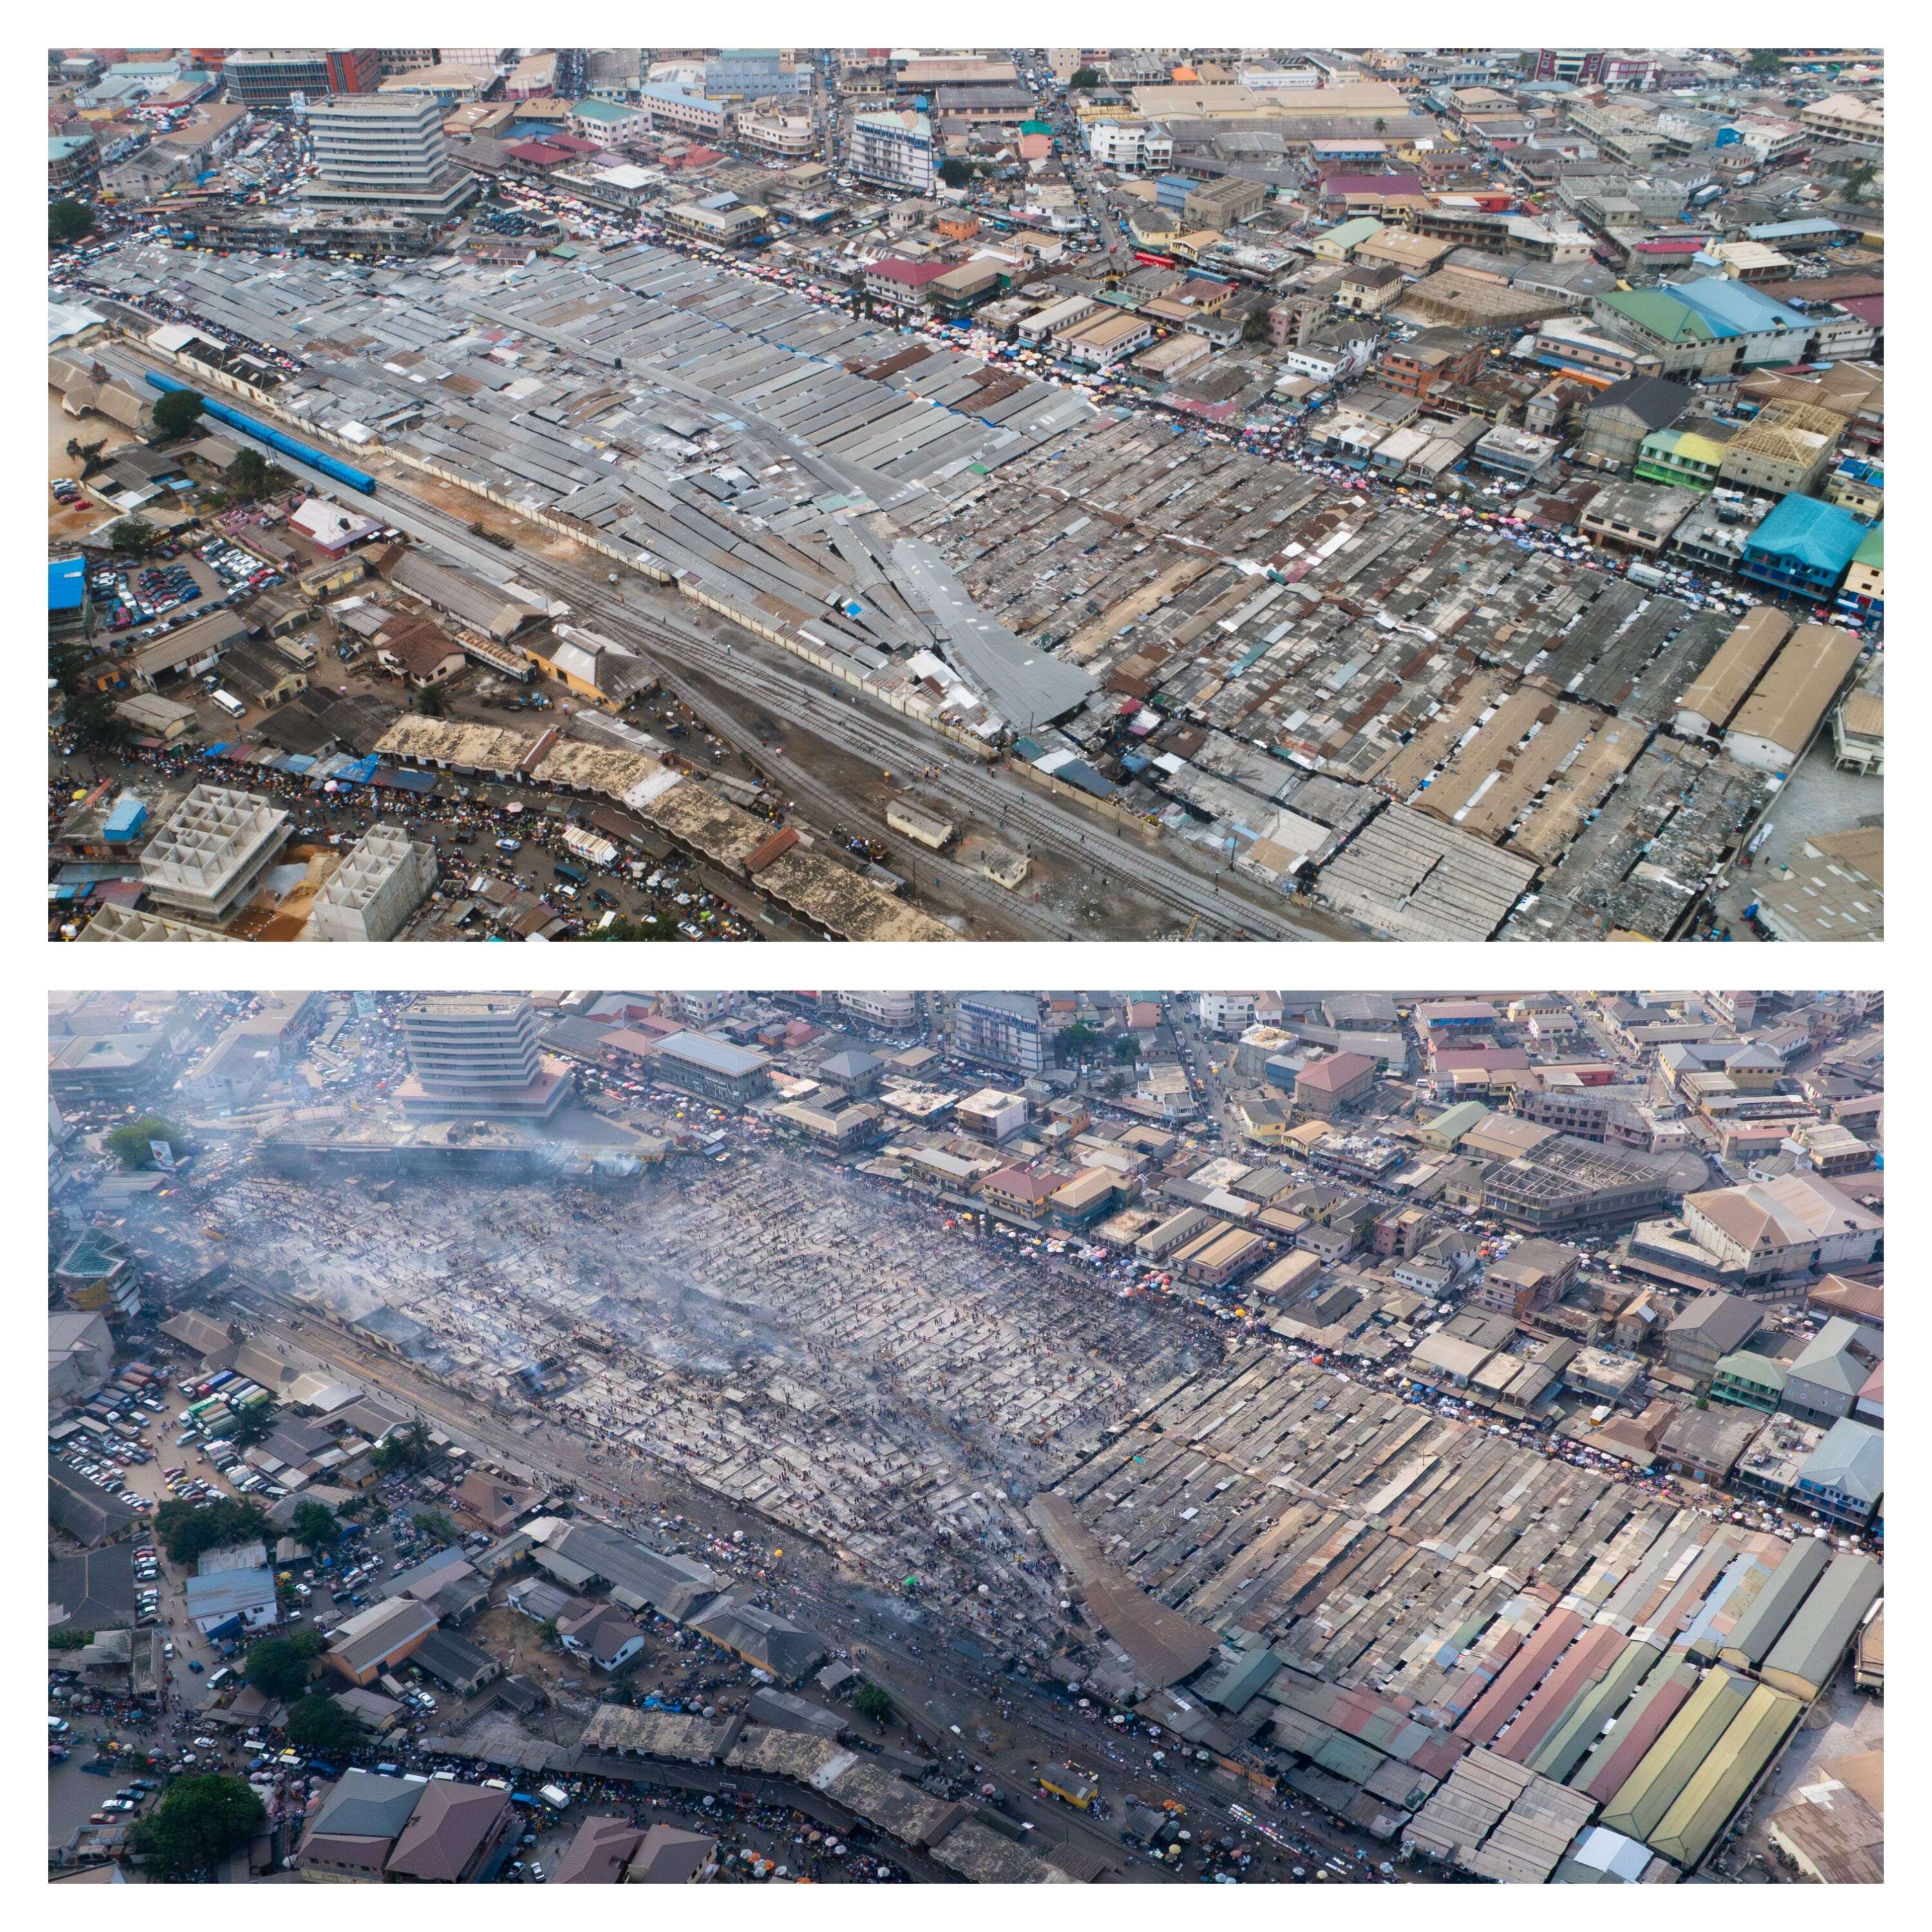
{"x":895,"y":1437}
{"x":1020,"y":493}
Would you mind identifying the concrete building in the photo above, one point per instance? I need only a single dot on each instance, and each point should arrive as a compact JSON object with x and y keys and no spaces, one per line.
{"x":387,"y":151}
{"x":272,"y":77}
{"x":1528,"y":1279}
{"x":211,"y":857}
{"x":895,"y":150}
{"x":477,"y":1053}
{"x":713,"y":1069}
{"x":375,"y":889}
{"x":1001,"y":1029}
{"x":1822,"y":1384}
{"x":1325,"y":1087}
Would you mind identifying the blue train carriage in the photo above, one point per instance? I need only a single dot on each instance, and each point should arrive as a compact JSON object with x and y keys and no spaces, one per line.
{"x":317,"y":459}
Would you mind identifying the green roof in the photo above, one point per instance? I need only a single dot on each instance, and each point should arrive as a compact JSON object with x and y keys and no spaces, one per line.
{"x":1704,"y":1806}
{"x":1871,"y":552}
{"x":1759,"y":1371}
{"x":1352,"y":234}
{"x":1662,"y":315}
{"x":1670,"y":1765}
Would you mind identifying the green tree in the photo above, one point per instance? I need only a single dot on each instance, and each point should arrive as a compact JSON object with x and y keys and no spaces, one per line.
{"x":1860,"y":178}
{"x":278,"y":1666}
{"x":955,"y":173}
{"x":87,"y":710}
{"x":1075,"y":1043}
{"x":1381,"y":126}
{"x":407,"y":1447}
{"x":433,"y":1522}
{"x":1126,"y":1050}
{"x":318,"y":1723}
{"x":178,"y":411}
{"x":547,"y":1629}
{"x":430,"y":702}
{"x":134,"y":536}
{"x":197,"y":1823}
{"x":1085,"y":77}
{"x":1762,"y":63}
{"x":68,"y":220}
{"x":189,"y":1530}
{"x":131,"y":1142}
{"x":869,"y":1701}
{"x":315,"y":1525}
{"x":251,"y":476}
{"x":650,"y":926}
{"x":253,"y":1425}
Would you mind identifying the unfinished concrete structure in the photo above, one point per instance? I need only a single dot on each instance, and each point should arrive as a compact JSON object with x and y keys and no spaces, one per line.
{"x":377,"y":887}
{"x":208,"y":858}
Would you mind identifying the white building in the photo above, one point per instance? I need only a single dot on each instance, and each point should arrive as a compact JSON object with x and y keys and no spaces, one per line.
{"x":375,"y":889}
{"x":894,"y":148}
{"x":1130,"y":144}
{"x":385,"y":150}
{"x":213,"y":853}
{"x":1225,"y":1013}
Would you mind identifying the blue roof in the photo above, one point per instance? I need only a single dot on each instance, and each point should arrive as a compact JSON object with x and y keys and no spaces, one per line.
{"x":701,"y":1049}
{"x":1718,"y":299}
{"x":126,"y":818}
{"x":1821,"y":536}
{"x":1781,"y":231}
{"x":67,"y":583}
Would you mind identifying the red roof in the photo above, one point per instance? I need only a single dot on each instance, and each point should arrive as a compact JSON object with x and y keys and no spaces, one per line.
{"x":762,"y":854}
{"x":1337,"y":1071}
{"x":573,"y":144}
{"x":539,"y":153}
{"x":1480,"y":1059}
{"x":1018,"y":1185}
{"x":1335,"y":187}
{"x":908,"y":274}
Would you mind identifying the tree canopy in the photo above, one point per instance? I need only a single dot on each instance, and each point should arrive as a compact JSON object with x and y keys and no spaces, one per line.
{"x":69,"y":220}
{"x":278,"y":1666}
{"x":87,"y":710}
{"x":251,"y":476}
{"x":407,"y":1447}
{"x":869,"y":1701}
{"x":1085,"y":77}
{"x":652,"y":926}
{"x":178,"y":411}
{"x":315,"y":1525}
{"x":132,"y":1142}
{"x":189,"y":1530}
{"x":134,"y":536}
{"x":318,"y":1723}
{"x":199,"y":1821}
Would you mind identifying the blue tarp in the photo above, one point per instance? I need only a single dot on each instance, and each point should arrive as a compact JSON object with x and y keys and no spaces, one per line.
{"x":415,"y":781}
{"x":361,"y":772}
{"x":67,"y":583}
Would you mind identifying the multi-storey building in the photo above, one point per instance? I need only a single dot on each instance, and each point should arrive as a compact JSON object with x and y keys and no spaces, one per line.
{"x":388,"y":151}
{"x":477,"y":1054}
{"x":271,"y":77}
{"x":894,"y":149}
{"x":1001,"y":1029}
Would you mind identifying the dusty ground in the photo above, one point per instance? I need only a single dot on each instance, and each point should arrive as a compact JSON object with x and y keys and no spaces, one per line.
{"x":267,"y":918}
{"x":432,"y":489}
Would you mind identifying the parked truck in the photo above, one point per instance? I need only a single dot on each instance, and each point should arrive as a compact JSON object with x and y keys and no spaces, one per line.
{"x":590,"y":845}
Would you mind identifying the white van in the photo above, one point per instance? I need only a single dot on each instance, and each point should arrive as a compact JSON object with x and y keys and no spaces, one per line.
{"x":230,"y":703}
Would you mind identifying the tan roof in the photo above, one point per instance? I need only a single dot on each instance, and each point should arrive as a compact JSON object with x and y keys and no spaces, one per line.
{"x":1793,"y":696}
{"x":1718,"y":690}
